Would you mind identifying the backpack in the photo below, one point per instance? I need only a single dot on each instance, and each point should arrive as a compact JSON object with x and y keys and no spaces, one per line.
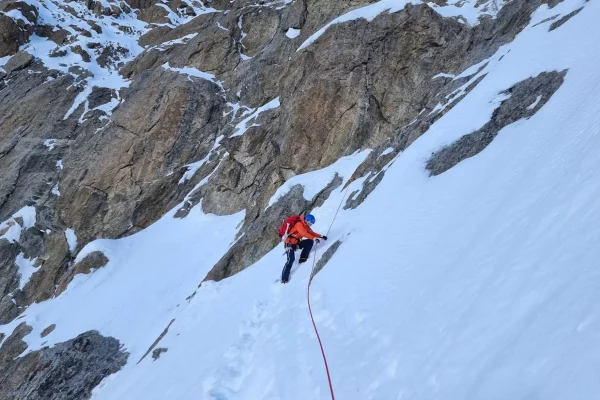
{"x":288,"y":224}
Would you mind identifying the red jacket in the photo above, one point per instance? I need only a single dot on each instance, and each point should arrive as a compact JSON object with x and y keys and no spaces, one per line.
{"x":301,"y":230}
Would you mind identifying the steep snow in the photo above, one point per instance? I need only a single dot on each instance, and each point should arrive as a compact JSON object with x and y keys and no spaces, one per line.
{"x":480,"y":283}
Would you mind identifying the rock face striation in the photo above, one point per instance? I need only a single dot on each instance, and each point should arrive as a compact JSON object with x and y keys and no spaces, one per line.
{"x":214,"y":105}
{"x":69,"y":370}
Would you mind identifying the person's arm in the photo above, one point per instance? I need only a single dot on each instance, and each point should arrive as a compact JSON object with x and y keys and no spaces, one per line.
{"x":307,"y":232}
{"x":318,"y":235}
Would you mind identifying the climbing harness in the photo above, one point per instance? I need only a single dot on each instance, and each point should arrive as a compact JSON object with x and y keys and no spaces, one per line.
{"x":308,"y":298}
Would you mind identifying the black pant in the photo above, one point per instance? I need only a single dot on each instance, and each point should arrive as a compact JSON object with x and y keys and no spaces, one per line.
{"x":306,"y":246}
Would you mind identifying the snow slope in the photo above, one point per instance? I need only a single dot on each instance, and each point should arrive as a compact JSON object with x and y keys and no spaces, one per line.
{"x":480,"y":283}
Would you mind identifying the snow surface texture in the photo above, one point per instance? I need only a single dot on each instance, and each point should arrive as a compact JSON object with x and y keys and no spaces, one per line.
{"x":480,"y":283}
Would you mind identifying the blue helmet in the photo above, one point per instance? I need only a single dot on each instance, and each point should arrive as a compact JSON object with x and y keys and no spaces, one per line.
{"x":309,"y":218}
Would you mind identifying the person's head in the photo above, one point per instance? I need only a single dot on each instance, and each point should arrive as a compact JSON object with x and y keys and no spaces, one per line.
{"x":310,"y":219}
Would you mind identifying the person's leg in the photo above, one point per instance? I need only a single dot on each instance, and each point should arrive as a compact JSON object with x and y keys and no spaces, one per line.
{"x":285,"y":274}
{"x":306,"y":246}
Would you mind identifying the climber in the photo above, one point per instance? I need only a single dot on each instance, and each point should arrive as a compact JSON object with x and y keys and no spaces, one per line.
{"x":297,"y":228}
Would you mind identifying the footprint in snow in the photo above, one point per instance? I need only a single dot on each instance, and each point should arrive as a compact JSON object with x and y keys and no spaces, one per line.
{"x":229,"y":379}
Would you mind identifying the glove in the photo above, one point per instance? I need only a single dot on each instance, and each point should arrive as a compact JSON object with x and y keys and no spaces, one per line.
{"x":324,"y":237}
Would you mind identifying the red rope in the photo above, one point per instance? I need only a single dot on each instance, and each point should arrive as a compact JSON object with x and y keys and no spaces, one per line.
{"x":320,"y":343}
{"x":308,"y":299}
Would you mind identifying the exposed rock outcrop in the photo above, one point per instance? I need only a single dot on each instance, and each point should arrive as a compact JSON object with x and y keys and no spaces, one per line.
{"x":68,"y":370}
{"x":564,"y":19}
{"x":525,"y":99}
{"x":48,"y":330}
{"x":18,"y":61}
{"x":325,"y":258}
{"x":15,"y":32}
{"x":89,"y":263}
{"x":9,"y":280}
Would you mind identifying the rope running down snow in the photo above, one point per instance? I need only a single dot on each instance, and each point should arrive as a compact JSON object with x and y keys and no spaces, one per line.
{"x":308,"y":299}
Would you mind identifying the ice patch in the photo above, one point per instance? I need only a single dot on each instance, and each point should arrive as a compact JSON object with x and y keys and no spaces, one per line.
{"x":535,"y":103}
{"x":367,"y":12}
{"x":387,"y":151}
{"x":443,"y":75}
{"x":50,"y":143}
{"x":292,"y":33}
{"x":192,"y":169}
{"x":244,"y":125}
{"x":3,"y":61}
{"x":13,"y":229}
{"x":55,"y":190}
{"x":26,"y":269}
{"x":195,"y":73}
{"x":71,"y":239}
{"x":181,"y":40}
{"x":59,"y":164}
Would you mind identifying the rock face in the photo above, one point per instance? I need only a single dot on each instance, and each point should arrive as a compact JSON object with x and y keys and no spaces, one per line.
{"x":8,"y":281}
{"x":325,"y":258}
{"x":525,"y":99}
{"x":18,"y":61}
{"x":13,"y":346}
{"x":126,"y":176}
{"x":89,"y":263}
{"x":15,"y":32}
{"x":11,"y":36}
{"x":69,"y":370}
